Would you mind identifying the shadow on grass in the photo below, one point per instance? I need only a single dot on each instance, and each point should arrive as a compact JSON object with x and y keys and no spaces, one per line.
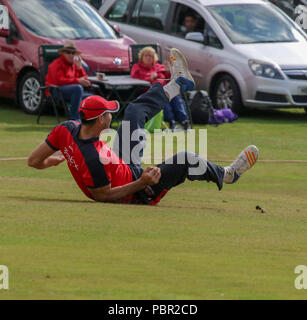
{"x":159,"y":206}
{"x":189,"y":207}
{"x":49,"y":200}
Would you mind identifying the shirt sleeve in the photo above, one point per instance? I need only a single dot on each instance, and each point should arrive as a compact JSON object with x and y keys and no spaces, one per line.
{"x":53,"y":139}
{"x":162,"y":73}
{"x":97,"y":175}
{"x":135,"y":72}
{"x":80,"y":73}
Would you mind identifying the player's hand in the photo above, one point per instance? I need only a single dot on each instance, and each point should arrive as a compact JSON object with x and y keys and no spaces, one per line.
{"x":151,"y":176}
{"x":56,"y":159}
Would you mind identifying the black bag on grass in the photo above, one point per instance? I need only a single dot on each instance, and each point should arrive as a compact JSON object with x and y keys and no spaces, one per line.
{"x":201,"y":107}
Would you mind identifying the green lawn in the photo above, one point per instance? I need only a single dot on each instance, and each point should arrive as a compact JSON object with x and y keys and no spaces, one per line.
{"x":198,"y":243}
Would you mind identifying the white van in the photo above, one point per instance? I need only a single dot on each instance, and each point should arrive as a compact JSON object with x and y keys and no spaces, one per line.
{"x":243,"y":52}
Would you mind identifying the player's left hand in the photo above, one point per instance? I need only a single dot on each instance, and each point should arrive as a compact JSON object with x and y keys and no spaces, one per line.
{"x":151,"y":175}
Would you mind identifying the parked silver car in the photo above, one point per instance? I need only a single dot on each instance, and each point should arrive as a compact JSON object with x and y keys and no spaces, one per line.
{"x":243,"y":52}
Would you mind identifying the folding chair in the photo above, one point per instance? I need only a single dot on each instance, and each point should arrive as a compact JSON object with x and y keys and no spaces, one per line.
{"x":46,"y":54}
{"x":133,"y":55}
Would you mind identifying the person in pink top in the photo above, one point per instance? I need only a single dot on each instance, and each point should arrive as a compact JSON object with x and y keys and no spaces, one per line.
{"x":149,"y":69}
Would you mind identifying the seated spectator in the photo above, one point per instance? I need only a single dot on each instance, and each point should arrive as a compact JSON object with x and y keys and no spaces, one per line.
{"x":67,"y":73}
{"x":189,"y":25}
{"x":149,"y":69}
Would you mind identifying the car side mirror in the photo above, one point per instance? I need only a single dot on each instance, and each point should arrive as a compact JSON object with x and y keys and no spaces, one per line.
{"x":116,"y":28}
{"x":195,"y":36}
{"x":4,"y":22}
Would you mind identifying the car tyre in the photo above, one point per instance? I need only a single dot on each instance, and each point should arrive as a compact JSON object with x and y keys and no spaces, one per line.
{"x":226,"y":94}
{"x":30,"y":97}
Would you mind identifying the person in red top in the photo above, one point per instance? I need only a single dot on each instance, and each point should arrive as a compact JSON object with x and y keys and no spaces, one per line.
{"x":67,"y":73}
{"x":107,"y":175}
{"x":149,"y":69}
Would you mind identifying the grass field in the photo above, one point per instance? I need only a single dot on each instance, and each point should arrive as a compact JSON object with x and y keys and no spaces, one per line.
{"x":198,"y":243}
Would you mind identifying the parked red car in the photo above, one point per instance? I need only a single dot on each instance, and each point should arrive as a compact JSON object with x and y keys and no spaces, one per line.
{"x":37,"y":22}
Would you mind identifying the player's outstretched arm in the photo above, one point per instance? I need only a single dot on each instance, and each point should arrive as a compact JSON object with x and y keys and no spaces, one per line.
{"x":44,"y":157}
{"x":150,"y":176}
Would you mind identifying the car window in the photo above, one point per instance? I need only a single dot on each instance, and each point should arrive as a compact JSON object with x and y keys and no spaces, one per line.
{"x":136,"y":11}
{"x":255,"y":23}
{"x":62,"y":19}
{"x":14,"y":31}
{"x":187,"y":20}
{"x":150,"y":13}
{"x":211,"y":38}
{"x":96,"y":3}
{"x":119,"y":11}
{"x":288,"y":6}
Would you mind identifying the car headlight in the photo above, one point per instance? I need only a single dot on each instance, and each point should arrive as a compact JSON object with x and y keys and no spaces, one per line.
{"x":266,"y":70}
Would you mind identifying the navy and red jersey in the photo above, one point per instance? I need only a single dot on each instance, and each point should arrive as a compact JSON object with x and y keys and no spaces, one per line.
{"x":91,"y":162}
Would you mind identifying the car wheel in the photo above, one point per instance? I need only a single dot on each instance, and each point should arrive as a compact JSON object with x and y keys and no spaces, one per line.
{"x":29,"y":93}
{"x":226,"y":94}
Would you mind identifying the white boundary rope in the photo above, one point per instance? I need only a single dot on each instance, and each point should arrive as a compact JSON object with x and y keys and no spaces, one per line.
{"x":268,"y":161}
{"x":13,"y":159}
{"x":214,"y":160}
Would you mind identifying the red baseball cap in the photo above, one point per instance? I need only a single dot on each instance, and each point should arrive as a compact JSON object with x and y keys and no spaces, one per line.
{"x":94,"y":106}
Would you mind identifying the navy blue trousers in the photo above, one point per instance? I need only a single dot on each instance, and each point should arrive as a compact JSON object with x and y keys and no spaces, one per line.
{"x":74,"y":93}
{"x":175,"y":110}
{"x":174,"y":171}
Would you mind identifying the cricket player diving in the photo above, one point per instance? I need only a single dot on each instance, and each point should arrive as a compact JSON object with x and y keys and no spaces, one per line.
{"x":116,"y":175}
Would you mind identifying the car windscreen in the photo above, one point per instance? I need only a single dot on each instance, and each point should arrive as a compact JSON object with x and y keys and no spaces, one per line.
{"x":255,"y":23}
{"x":62,"y":19}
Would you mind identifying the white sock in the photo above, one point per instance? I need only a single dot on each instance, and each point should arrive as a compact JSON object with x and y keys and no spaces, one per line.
{"x":229,"y":174}
{"x":172,"y":89}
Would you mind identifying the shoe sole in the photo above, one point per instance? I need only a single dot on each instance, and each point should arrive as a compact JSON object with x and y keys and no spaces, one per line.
{"x":173,"y":58}
{"x":251,"y":153}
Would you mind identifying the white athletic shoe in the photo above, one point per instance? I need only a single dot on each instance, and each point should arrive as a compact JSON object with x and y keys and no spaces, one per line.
{"x":182,"y":79}
{"x":246,"y":159}
{"x":179,"y":65}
